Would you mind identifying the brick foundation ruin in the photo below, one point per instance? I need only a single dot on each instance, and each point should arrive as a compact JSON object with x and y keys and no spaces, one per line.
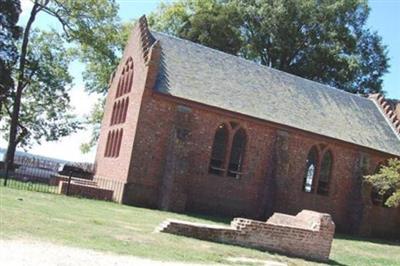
{"x":308,"y":235}
{"x":85,"y":189}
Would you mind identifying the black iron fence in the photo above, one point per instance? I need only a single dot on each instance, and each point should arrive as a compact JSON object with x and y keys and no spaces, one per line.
{"x":26,"y":184}
{"x":50,"y":177}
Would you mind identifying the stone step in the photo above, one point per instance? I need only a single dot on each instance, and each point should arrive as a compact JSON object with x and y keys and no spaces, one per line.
{"x":162,"y":226}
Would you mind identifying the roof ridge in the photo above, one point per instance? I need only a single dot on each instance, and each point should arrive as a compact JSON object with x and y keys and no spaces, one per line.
{"x":390,"y":113}
{"x":358,"y":96}
{"x":146,"y":38}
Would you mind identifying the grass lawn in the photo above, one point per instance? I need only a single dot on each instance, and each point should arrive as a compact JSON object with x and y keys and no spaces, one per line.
{"x":128,"y":230}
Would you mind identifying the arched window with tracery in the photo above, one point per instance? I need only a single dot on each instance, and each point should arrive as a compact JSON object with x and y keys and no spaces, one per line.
{"x":325,"y":173}
{"x":126,"y":78}
{"x":218,"y":152}
{"x":227,"y":155}
{"x":237,"y":153}
{"x":311,"y":169}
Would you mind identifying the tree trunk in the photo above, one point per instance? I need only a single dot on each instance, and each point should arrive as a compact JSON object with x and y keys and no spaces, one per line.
{"x":12,"y":143}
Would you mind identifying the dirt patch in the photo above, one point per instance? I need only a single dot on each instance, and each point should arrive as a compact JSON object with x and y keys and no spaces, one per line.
{"x":32,"y":252}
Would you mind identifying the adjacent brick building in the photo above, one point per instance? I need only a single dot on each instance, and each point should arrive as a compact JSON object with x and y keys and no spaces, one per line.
{"x":189,"y":128}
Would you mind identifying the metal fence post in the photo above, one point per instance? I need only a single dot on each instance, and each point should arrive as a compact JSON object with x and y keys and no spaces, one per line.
{"x":69,"y":182}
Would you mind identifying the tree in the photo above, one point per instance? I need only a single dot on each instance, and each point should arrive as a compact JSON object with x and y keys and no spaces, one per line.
{"x":45,"y":112}
{"x":325,"y":41}
{"x":387,"y":181}
{"x":94,"y":121}
{"x":210,"y":22}
{"x":44,"y":70}
{"x":99,"y":67}
{"x":10,"y":32}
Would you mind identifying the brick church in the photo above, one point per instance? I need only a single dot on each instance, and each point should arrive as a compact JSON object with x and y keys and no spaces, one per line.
{"x":192,"y":129}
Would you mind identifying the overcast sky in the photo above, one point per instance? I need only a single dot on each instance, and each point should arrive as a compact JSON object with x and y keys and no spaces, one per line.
{"x":384,"y":18}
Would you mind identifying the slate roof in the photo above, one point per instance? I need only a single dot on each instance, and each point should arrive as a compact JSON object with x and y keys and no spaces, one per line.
{"x":201,"y":74}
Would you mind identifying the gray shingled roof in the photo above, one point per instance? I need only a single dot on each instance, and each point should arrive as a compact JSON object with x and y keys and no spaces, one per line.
{"x":201,"y":74}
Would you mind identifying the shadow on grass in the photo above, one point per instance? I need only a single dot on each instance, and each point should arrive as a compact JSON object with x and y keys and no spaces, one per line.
{"x":390,"y":242}
{"x":334,"y":262}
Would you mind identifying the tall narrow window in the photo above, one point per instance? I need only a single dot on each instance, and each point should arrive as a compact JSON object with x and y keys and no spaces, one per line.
{"x":130,"y":77}
{"x":311,"y":167}
{"x":111,"y":148}
{"x":118,"y":116}
{"x":113,"y":114}
{"x":325,"y":174}
{"x":119,"y":142}
{"x":121,"y":90}
{"x":219,"y":150}
{"x":107,"y":150}
{"x":125,"y":110}
{"x":118,"y":88}
{"x":126,"y":80}
{"x":121,"y":111}
{"x":237,"y":153}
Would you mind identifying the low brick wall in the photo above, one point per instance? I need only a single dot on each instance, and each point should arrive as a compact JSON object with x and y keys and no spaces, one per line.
{"x":308,"y":235}
{"x":85,"y":191}
{"x":55,"y":180}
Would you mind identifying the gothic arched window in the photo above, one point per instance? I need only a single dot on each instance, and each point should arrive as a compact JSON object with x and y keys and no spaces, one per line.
{"x":237,"y":153}
{"x":311,"y":169}
{"x":325,"y":174}
{"x":218,"y":152}
{"x":228,"y":150}
{"x":125,"y":79}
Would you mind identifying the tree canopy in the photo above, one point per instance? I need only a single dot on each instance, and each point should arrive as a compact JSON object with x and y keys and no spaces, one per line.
{"x":45,"y":112}
{"x":325,"y":41}
{"x":9,"y":34}
{"x":38,"y":105}
{"x":387,"y":182}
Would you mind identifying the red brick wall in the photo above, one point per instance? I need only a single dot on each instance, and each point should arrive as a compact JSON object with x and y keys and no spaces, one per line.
{"x":250,"y":195}
{"x":111,"y":167}
{"x":379,"y":221}
{"x":85,"y":191}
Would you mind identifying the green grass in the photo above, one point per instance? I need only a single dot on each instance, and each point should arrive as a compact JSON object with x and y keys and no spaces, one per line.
{"x":107,"y":226}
